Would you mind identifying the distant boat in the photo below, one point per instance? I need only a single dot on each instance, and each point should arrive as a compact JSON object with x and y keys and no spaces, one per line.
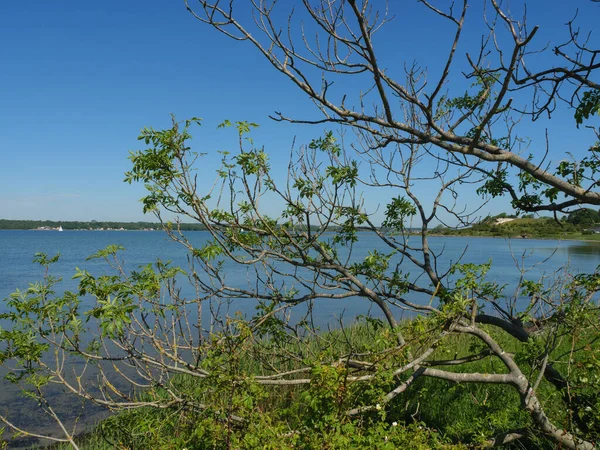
{"x":60,"y":228}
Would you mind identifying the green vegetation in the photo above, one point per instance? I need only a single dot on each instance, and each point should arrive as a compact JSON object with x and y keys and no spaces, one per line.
{"x":573,"y":226}
{"x":509,"y":366}
{"x":578,"y":225}
{"x":6,"y":224}
{"x":584,"y":217}
{"x":434,"y":413}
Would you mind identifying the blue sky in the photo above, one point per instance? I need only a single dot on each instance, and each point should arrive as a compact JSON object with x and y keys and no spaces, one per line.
{"x":79,"y":79}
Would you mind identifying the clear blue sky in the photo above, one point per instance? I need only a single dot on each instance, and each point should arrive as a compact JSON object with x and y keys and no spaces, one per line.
{"x":78,"y":79}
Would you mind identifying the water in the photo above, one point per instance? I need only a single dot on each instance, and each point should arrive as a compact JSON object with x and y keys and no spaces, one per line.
{"x":542,"y":257}
{"x":17,"y":249}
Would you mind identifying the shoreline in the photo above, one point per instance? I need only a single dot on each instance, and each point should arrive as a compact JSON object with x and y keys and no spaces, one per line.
{"x":541,"y":238}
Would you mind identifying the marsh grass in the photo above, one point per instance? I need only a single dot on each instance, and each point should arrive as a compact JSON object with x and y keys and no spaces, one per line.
{"x":433,"y":413}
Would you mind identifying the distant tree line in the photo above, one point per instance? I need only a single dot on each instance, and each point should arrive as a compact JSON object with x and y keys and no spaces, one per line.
{"x":7,"y":224}
{"x":584,"y":217}
{"x":581,"y":221}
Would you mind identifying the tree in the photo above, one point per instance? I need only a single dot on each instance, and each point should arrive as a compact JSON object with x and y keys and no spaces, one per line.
{"x":468,"y":128}
{"x":409,"y":135}
{"x":584,"y":216}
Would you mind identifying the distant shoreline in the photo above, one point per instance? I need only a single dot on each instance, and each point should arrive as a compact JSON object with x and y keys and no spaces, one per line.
{"x":504,"y":232}
{"x":94,"y":225}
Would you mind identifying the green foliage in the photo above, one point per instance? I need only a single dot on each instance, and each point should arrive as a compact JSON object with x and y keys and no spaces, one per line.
{"x":347,"y":231}
{"x":163,"y":164}
{"x":590,"y":104}
{"x":242,"y":127}
{"x":327,"y":144}
{"x":543,"y":227}
{"x":471,"y":284}
{"x":254,"y":162}
{"x":309,"y":416}
{"x":433,"y":414}
{"x":26,"y":311}
{"x":397,"y":211}
{"x":268,"y":382}
{"x":494,"y":185}
{"x":238,"y":412}
{"x":210,"y":251}
{"x":584,"y":216}
{"x":374,"y":266}
{"x":347,"y":174}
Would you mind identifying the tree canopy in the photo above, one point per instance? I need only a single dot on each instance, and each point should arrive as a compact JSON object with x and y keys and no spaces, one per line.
{"x":584,"y":216}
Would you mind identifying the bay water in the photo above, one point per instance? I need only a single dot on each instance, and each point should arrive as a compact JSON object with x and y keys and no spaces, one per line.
{"x":17,"y":249}
{"x":508,"y":257}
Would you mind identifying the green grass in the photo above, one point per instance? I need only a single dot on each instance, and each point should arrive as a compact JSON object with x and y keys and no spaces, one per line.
{"x":432,"y":413}
{"x":541,"y":228}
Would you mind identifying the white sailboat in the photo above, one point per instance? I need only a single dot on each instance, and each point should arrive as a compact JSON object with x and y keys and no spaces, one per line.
{"x":60,"y":228}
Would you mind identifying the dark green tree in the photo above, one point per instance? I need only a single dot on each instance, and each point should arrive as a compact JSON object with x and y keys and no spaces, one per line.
{"x":584,"y":216}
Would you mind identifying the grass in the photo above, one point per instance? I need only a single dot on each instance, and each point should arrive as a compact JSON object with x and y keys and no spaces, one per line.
{"x":540,"y":228}
{"x":432,"y":413}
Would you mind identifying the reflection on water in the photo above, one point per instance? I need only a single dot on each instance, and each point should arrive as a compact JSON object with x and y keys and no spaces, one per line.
{"x":574,"y":248}
{"x":584,"y":248}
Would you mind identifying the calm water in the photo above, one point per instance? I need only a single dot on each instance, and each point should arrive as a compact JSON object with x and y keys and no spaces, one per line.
{"x":17,"y":249}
